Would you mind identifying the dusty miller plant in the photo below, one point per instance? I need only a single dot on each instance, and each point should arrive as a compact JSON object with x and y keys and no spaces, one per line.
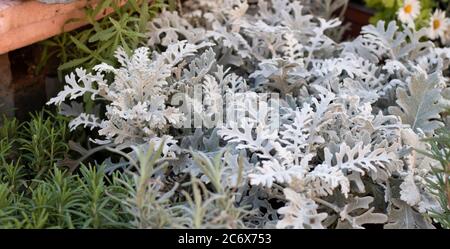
{"x":339,"y":154}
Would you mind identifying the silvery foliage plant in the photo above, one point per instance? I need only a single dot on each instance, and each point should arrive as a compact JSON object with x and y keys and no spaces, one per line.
{"x":340,"y":151}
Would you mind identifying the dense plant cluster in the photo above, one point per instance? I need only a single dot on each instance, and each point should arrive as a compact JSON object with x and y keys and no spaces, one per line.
{"x":32,"y":195}
{"x":332,"y":142}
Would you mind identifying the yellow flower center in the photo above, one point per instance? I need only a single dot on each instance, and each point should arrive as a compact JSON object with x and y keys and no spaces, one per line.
{"x":407,"y":9}
{"x":436,"y":24}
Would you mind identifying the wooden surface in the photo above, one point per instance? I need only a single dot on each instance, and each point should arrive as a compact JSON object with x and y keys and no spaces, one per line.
{"x":25,"y":22}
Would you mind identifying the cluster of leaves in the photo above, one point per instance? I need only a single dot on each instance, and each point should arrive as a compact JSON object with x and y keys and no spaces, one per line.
{"x":36,"y":193}
{"x":155,"y":202}
{"x":36,"y":144}
{"x":340,"y":152}
{"x":59,"y":201}
{"x":439,"y":182}
{"x":124,"y":27}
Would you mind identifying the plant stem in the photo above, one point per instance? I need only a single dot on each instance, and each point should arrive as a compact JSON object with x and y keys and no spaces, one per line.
{"x":327,"y":204}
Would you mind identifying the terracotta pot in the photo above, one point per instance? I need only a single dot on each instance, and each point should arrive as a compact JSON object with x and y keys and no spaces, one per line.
{"x":25,"y":22}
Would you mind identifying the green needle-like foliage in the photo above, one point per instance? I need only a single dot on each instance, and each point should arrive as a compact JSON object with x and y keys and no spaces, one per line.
{"x":440,"y":183}
{"x":42,"y":141}
{"x":35,"y":193}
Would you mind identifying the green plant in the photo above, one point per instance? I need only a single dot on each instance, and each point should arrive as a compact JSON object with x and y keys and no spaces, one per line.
{"x":8,"y":127}
{"x":141,"y":192}
{"x":36,"y":144}
{"x":42,"y":141}
{"x":154,"y":202}
{"x":62,"y":201}
{"x":213,"y":207}
{"x":36,"y":193}
{"x":387,"y":10}
{"x":97,"y":43}
{"x":439,"y":183}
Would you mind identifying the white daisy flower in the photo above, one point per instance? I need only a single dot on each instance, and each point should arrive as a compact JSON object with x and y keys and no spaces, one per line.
{"x":409,"y":11}
{"x":438,"y":25}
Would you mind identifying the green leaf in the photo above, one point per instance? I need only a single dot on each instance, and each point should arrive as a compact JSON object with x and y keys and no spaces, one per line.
{"x":73,"y":63}
{"x":80,"y":45}
{"x":103,"y":35}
